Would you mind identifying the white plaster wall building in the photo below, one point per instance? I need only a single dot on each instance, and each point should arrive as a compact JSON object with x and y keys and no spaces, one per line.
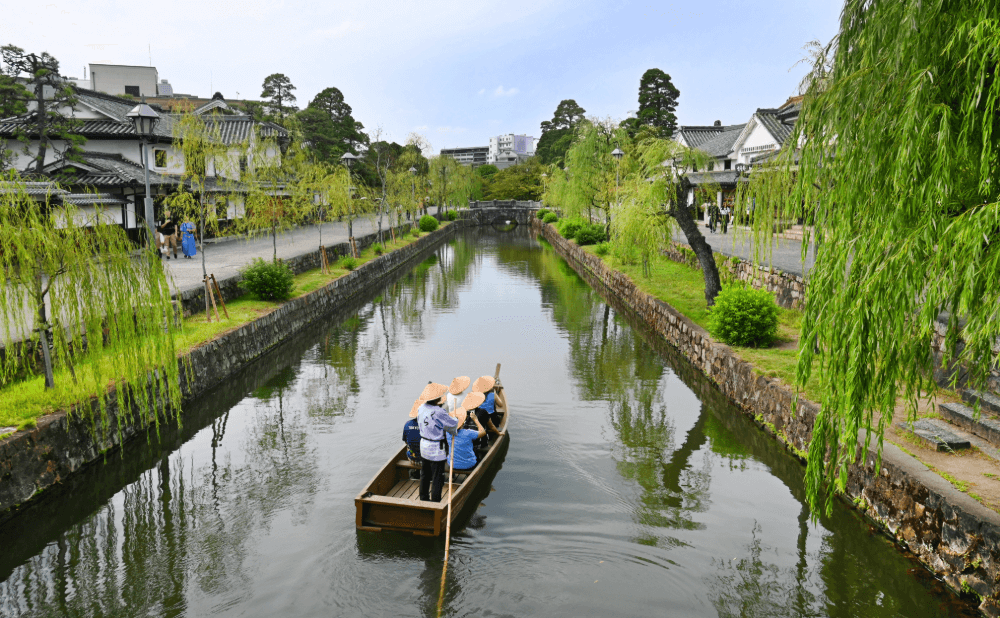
{"x":510,"y":144}
{"x":111,"y":164}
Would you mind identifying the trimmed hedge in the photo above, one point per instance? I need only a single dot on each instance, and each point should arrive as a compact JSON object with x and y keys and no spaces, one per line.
{"x":268,"y":280}
{"x":428,"y":223}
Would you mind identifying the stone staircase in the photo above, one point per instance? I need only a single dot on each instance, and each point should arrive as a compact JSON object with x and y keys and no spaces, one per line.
{"x":960,"y":427}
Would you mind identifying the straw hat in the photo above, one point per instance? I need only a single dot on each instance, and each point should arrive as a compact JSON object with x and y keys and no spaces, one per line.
{"x":483,"y":384}
{"x":461,"y":414}
{"x":459,"y":384}
{"x":433,"y":391}
{"x":473,"y":400}
{"x":415,"y":410}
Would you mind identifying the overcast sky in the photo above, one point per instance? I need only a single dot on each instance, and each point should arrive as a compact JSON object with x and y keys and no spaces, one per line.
{"x":456,"y":71}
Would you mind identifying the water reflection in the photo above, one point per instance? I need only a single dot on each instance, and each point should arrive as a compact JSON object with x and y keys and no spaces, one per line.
{"x":632,"y":487}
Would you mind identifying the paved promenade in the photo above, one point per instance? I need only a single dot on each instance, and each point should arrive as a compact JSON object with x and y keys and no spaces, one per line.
{"x":226,"y":256}
{"x":786,"y":255}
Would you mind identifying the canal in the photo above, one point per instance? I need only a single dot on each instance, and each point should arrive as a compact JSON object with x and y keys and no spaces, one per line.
{"x":630,"y":487}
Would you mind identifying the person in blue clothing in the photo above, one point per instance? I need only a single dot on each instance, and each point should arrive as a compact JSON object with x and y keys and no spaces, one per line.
{"x":411,"y":436}
{"x":486,"y":412}
{"x":434,"y":422}
{"x":465,"y":456}
{"x":187,"y":240}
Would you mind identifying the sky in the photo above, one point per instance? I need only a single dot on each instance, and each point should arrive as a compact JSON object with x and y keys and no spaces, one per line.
{"x":457,"y":72}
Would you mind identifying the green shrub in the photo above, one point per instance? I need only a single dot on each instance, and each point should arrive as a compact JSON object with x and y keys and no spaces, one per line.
{"x":378,"y":248}
{"x":590,"y":234}
{"x":348,"y":262}
{"x":415,"y":232}
{"x":428,"y":223}
{"x":602,"y":249}
{"x":569,"y":227}
{"x":268,"y":280}
{"x":550,"y":217}
{"x":542,"y":212}
{"x":744,"y":317}
{"x":452,"y":215}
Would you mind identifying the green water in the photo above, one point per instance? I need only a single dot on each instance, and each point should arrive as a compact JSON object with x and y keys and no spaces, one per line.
{"x":630,"y":487}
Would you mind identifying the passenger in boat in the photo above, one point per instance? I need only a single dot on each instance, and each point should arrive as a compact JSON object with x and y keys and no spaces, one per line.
{"x":434,"y":422}
{"x":411,"y":436}
{"x":465,"y":455}
{"x":486,"y":412}
{"x":457,"y":387}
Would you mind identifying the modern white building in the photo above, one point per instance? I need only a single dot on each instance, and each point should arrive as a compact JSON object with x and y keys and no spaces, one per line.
{"x":503,"y":146}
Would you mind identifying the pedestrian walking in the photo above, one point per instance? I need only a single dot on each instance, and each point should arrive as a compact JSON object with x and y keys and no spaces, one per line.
{"x":169,"y":230}
{"x":724,"y":213}
{"x":713,"y":217}
{"x":188,"y":245}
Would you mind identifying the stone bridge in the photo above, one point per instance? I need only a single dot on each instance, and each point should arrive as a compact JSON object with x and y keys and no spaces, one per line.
{"x":499,"y":212}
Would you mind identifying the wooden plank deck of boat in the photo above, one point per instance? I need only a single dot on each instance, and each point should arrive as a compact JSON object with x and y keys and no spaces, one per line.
{"x":408,"y":489}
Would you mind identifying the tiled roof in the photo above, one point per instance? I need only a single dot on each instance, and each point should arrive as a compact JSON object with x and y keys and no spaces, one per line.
{"x":93,"y":199}
{"x":781,"y":121}
{"x":34,"y":189}
{"x":722,"y":144}
{"x":112,"y":170}
{"x":233,"y":128}
{"x":697,"y":135}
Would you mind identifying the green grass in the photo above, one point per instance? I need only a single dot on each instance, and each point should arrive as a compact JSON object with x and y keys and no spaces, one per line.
{"x":26,"y":400}
{"x":683,"y":288}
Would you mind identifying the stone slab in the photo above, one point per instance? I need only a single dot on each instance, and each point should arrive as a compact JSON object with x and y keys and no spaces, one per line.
{"x":966,"y":418}
{"x":936,"y":434}
{"x":987,"y":401}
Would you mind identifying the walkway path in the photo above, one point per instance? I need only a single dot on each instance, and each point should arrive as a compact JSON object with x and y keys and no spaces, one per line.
{"x":786,"y":255}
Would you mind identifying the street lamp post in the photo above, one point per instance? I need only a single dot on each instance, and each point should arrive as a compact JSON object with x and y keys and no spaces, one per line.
{"x":348,"y":159}
{"x":144,"y":120}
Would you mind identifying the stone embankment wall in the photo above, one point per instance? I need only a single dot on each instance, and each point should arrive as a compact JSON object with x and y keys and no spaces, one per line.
{"x":34,"y":460}
{"x":955,"y":536}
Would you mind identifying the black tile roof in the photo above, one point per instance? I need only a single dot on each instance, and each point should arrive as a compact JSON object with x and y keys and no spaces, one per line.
{"x":722,"y":177}
{"x":722,"y":144}
{"x":93,"y":199}
{"x":112,"y":170}
{"x":698,"y":135}
{"x":780,"y":121}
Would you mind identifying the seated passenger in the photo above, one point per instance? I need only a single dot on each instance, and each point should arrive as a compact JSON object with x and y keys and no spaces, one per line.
{"x":457,"y":387}
{"x":433,"y":422}
{"x":486,"y":412}
{"x":465,"y":455}
{"x":411,"y":436}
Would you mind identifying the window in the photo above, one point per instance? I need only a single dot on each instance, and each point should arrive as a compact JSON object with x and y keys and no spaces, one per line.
{"x":132,"y":90}
{"x":711,"y":166}
{"x":159,"y":158}
{"x":729,"y":164}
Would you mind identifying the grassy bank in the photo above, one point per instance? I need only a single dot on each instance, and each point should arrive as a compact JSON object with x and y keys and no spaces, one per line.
{"x":24,"y":401}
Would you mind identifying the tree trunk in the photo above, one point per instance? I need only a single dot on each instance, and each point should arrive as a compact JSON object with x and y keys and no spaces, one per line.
{"x":701,"y":248}
{"x":43,"y":333}
{"x":40,"y":121}
{"x":274,"y":239}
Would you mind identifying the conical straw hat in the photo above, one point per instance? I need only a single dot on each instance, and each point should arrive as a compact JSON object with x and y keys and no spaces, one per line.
{"x":483,"y":384}
{"x":473,"y":400}
{"x":459,"y":384}
{"x":461,"y":414}
{"x":433,"y":391}
{"x":415,"y":410}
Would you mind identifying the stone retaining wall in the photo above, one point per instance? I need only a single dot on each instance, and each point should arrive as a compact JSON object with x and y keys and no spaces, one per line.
{"x":789,"y":289}
{"x":34,"y":460}
{"x":955,"y":536}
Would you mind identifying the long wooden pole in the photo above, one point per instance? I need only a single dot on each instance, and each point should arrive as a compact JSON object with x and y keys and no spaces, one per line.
{"x":447,"y":533}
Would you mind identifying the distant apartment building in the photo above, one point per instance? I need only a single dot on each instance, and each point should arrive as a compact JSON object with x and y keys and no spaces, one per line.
{"x":510,"y":149}
{"x":473,"y":155}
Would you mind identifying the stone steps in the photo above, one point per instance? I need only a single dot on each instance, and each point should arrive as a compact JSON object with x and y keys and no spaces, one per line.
{"x":987,"y":401}
{"x":937,"y":434}
{"x":965,"y":417}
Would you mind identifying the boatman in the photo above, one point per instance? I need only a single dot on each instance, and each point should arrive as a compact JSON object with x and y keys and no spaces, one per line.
{"x":434,"y":422}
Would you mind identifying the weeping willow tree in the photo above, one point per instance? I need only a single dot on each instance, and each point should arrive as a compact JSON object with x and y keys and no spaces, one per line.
{"x":898,"y":172}
{"x":588,"y":186}
{"x":211,"y":168}
{"x":271,"y":204}
{"x":99,"y":312}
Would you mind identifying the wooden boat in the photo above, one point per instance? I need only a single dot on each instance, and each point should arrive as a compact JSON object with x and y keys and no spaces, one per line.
{"x":391,"y":501}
